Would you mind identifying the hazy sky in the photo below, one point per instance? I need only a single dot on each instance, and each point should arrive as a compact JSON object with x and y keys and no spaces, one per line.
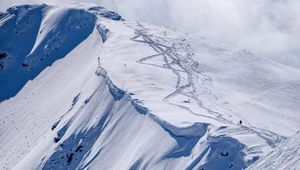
{"x":270,"y":28}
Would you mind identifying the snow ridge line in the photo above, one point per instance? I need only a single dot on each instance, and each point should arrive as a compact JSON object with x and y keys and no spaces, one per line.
{"x":189,"y":66}
{"x":118,"y":94}
{"x":196,"y":131}
{"x":189,"y":139}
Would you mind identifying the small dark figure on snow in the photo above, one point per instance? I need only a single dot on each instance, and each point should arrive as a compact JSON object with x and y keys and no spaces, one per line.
{"x":240,"y":122}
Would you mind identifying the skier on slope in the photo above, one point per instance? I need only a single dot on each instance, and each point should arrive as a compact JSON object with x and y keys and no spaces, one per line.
{"x":240,"y":122}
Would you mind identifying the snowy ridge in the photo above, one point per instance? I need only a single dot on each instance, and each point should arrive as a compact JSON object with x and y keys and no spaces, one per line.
{"x":76,"y":151}
{"x":45,"y":33}
{"x":285,"y":156}
{"x":93,"y":91}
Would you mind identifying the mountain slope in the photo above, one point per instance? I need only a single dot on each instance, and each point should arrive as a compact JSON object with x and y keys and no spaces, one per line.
{"x":92,"y":91}
{"x":285,"y":156}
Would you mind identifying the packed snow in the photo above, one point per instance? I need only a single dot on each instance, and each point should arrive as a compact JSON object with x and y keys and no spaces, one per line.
{"x":82,"y":88}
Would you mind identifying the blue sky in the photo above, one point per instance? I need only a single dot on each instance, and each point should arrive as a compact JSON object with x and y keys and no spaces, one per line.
{"x":269,"y":28}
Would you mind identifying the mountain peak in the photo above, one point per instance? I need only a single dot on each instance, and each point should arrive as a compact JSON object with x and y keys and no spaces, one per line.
{"x":81,"y":88}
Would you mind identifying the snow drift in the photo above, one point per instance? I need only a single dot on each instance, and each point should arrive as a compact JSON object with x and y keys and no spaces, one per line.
{"x":81,"y":88}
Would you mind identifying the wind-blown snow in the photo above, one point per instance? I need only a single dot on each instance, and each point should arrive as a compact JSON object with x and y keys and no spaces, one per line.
{"x":88,"y":90}
{"x":285,"y":156}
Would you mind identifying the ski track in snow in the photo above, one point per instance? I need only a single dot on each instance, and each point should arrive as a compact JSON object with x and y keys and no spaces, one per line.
{"x":84,"y":134}
{"x":188,"y":66}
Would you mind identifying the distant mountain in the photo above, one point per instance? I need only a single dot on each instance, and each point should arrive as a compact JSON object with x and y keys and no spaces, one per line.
{"x":82,"y":88}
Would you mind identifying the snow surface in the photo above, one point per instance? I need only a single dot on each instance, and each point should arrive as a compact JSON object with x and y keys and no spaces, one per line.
{"x":81,"y":88}
{"x":286,"y":156}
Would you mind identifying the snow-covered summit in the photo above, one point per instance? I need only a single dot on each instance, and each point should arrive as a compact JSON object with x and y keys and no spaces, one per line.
{"x":81,"y":88}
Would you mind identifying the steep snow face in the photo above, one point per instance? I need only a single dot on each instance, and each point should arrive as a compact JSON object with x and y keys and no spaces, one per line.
{"x":285,"y":156}
{"x":92,"y":91}
{"x":34,"y":37}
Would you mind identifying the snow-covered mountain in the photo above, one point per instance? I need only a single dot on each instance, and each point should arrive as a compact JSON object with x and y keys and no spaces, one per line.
{"x":81,"y":88}
{"x":285,"y":156}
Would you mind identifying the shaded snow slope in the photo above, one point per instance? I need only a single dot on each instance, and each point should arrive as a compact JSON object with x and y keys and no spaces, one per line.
{"x":40,"y":35}
{"x":33,"y":37}
{"x":285,"y":156}
{"x":83,"y":89}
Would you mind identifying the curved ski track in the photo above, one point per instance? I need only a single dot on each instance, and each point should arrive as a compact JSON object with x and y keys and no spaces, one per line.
{"x":189,"y":66}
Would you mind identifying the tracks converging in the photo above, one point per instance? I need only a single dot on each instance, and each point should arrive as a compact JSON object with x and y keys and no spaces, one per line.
{"x":191,"y":82}
{"x":181,"y":65}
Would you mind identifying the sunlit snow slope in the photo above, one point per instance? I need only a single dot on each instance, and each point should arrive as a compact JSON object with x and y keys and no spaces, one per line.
{"x":286,"y":156}
{"x":81,"y":88}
